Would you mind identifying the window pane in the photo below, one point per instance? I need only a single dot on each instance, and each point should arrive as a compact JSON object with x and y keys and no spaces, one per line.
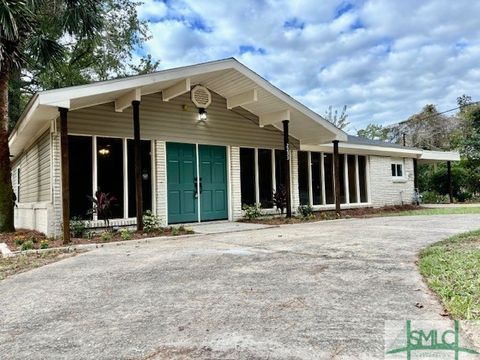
{"x":329,"y":183}
{"x":362,"y":172}
{"x":265,"y":177}
{"x":343,"y":198}
{"x":399,"y":170}
{"x":146,"y":177}
{"x":110,"y":171}
{"x":352,"y":179}
{"x":303,"y":187}
{"x":316,"y":178}
{"x":279,"y":167}
{"x":80,"y":175}
{"x":247,"y":175}
{"x":394,"y":170}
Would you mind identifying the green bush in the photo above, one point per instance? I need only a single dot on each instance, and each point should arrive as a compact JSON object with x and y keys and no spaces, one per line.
{"x":77,"y":227}
{"x":125,"y":234}
{"x":151,"y":222}
{"x":439,"y":180}
{"x":27,"y":245}
{"x":431,"y":197}
{"x":252,"y":211}
{"x":306,"y":212}
{"x":464,"y":196}
{"x":44,"y":244}
{"x":19,"y":240}
{"x":175,"y":231}
{"x":106,"y":236}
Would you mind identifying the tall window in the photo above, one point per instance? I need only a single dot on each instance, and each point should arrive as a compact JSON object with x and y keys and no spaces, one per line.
{"x":303,"y":186}
{"x":343,"y":198}
{"x":110,"y":171}
{"x":279,"y":168}
{"x":265,"y":177}
{"x":329,"y":180}
{"x":247,"y":175}
{"x":316,"y":178}
{"x":362,"y":175}
{"x":80,"y":175}
{"x":146,"y":177}
{"x":352,"y":179}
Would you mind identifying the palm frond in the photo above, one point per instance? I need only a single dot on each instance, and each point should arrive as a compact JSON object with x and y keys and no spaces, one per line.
{"x":45,"y":51}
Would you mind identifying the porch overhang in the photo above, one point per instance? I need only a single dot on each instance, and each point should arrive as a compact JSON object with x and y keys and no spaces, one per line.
{"x":430,"y":157}
{"x":229,"y":78}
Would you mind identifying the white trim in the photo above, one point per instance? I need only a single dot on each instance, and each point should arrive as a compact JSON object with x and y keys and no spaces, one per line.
{"x":199,"y":195}
{"x":178,"y":89}
{"x":126,"y":100}
{"x":274,"y":169}
{"x":229,"y":183}
{"x":94,"y":172}
{"x":346,"y":181}
{"x":322,"y":174}
{"x":257,"y":180}
{"x":244,"y":98}
{"x":274,"y":117}
{"x":357,"y":180}
{"x":349,"y":148}
{"x":153,"y":167}
{"x":368,"y":180}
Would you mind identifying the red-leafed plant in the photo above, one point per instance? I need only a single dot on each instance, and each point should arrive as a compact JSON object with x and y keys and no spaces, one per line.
{"x":102,"y":205}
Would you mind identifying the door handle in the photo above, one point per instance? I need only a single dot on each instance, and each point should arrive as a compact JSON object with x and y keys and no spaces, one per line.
{"x":195,"y":185}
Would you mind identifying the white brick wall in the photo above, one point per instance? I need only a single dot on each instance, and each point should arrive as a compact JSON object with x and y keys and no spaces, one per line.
{"x":236,"y":198}
{"x":384,"y":190}
{"x":161,"y":180}
{"x":55,"y":220}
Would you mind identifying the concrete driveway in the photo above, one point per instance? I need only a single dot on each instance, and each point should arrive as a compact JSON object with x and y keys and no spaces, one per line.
{"x":306,"y":291}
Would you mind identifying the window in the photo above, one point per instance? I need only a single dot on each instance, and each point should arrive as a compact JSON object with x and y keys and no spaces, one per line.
{"x":303,"y":187}
{"x":80,"y":175}
{"x":352,"y":179}
{"x":397,"y":169}
{"x":343,"y":197}
{"x":316,"y":178}
{"x":329,"y":180}
{"x":146,"y":161}
{"x":362,"y":178}
{"x":265,"y":178}
{"x":279,"y":168}
{"x":247,"y":176}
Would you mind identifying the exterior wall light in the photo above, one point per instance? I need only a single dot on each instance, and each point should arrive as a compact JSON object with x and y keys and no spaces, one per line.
{"x":202,"y":114}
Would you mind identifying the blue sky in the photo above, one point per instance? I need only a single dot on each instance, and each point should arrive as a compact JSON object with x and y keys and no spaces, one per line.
{"x":384,"y":59}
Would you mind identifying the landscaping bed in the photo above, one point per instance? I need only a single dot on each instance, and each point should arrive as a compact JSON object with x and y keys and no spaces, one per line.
{"x":451,"y":269}
{"x":31,"y":240}
{"x":309,"y":216}
{"x":16,"y":264}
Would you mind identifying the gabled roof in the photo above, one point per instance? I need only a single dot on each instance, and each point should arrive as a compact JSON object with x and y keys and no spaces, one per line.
{"x":227,"y":77}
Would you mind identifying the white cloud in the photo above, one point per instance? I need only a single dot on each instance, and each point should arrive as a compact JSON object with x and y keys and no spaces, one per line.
{"x":384,"y":59}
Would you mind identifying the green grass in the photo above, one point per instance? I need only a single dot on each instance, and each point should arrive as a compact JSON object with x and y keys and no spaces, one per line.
{"x":451,"y":269}
{"x":439,"y":211}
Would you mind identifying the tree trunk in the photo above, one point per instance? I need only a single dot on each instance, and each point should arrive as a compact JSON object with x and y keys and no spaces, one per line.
{"x":6,"y":191}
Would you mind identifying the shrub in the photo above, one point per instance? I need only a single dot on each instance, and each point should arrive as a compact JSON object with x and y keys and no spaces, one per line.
{"x":280,"y":198}
{"x":106,"y":236}
{"x":431,"y":197}
{"x":44,"y":244}
{"x":125,"y":234}
{"x":464,"y":196}
{"x":439,"y":180}
{"x":252,"y":211}
{"x":306,"y":212}
{"x":151,"y":222}
{"x":175,"y":231}
{"x":77,"y":227}
{"x":27,"y":245}
{"x":19,"y":240}
{"x":102,"y":205}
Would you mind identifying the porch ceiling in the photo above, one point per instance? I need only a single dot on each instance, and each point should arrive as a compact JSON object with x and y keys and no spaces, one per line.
{"x":225,"y":77}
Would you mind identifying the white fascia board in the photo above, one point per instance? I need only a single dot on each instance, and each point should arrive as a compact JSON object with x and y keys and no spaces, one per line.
{"x":433,"y":156}
{"x":125,"y":100}
{"x":244,"y":98}
{"x":273,"y":118}
{"x":359,"y":149}
{"x":178,"y":89}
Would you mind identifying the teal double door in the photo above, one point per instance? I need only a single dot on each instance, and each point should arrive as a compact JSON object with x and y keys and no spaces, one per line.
{"x":196,"y":183}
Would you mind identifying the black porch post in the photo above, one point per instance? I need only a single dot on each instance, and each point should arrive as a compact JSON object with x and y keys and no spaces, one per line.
{"x":336,"y":165}
{"x":138,"y":163}
{"x":287,"y":167}
{"x":65,"y":174}
{"x":450,"y":185}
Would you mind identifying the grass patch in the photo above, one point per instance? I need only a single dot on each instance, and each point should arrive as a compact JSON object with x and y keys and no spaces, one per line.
{"x":451,"y":269}
{"x":439,"y":211}
{"x":24,"y":262}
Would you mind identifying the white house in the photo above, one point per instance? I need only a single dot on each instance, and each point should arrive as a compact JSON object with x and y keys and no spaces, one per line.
{"x":212,"y":139}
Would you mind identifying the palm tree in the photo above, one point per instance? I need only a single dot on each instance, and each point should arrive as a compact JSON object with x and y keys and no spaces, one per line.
{"x":32,"y":30}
